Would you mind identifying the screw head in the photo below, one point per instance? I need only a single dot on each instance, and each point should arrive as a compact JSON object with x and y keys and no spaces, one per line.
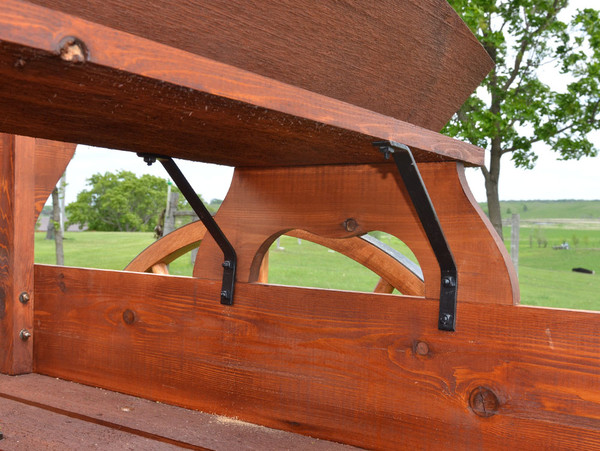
{"x":226,"y":264}
{"x":24,"y":297}
{"x":24,"y":334}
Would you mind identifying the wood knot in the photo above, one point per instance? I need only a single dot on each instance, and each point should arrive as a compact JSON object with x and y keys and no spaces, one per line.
{"x":73,"y":50}
{"x":484,"y":402}
{"x":128,"y":316}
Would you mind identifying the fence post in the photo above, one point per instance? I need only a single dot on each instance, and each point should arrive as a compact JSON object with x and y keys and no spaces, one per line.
{"x":514,"y":241}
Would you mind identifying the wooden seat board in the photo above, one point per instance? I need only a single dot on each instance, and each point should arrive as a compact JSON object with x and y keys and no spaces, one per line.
{"x":414,"y":60}
{"x":134,"y":94}
{"x":39,"y":412}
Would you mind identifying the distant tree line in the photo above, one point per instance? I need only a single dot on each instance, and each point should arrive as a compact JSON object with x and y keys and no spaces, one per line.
{"x":123,"y":202}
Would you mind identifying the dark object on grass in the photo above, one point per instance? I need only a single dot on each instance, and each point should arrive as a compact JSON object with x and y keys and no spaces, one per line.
{"x":583,"y":270}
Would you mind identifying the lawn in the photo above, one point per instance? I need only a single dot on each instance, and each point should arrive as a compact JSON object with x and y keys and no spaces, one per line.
{"x":545,"y":275}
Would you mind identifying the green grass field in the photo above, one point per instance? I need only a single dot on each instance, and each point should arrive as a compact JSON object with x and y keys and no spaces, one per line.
{"x":545,"y":275}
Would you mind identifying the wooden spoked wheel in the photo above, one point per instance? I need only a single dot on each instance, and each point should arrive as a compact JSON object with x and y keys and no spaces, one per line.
{"x":394,"y":271}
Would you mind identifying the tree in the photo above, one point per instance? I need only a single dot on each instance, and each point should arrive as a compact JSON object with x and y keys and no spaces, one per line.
{"x":119,"y":202}
{"x":513,"y":109}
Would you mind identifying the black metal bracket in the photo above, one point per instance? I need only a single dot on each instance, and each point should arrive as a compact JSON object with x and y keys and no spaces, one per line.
{"x":230,"y":257}
{"x":431,"y":225}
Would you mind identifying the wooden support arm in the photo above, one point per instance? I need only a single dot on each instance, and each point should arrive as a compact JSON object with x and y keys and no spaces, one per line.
{"x":68,"y":79}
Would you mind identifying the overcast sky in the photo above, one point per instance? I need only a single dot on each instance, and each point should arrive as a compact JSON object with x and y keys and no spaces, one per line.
{"x":550,"y":179}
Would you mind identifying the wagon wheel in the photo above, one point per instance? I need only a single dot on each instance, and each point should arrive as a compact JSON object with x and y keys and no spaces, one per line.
{"x":394,"y":269}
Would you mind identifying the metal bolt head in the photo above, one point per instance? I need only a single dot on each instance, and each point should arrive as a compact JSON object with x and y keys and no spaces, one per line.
{"x":24,"y":297}
{"x":446,"y":319}
{"x":24,"y":334}
{"x":226,"y":264}
{"x":448,"y":282}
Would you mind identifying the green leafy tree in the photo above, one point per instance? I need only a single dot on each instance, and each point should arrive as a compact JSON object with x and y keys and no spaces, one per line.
{"x":513,"y":109}
{"x":119,"y":202}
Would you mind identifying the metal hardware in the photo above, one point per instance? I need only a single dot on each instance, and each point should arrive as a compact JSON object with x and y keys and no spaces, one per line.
{"x":24,"y":297}
{"x":24,"y":334}
{"x":230,"y":257}
{"x":431,"y":225}
{"x":398,"y":256}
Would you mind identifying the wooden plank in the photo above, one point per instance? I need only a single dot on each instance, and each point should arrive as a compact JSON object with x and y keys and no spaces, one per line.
{"x":263,"y":203}
{"x":327,"y":363}
{"x":162,"y":252}
{"x":51,"y":160}
{"x":412,"y":60}
{"x":16,"y":251}
{"x":39,"y":412}
{"x":138,"y":95}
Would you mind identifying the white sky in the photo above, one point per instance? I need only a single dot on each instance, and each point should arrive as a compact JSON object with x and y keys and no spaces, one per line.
{"x":550,"y":179}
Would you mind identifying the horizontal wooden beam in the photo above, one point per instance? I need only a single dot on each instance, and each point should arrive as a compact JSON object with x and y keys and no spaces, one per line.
{"x":135,"y":94}
{"x":367,"y":369}
{"x":414,"y":60}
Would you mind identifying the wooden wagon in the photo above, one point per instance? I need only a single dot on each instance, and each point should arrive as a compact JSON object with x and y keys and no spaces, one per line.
{"x":330,"y":112}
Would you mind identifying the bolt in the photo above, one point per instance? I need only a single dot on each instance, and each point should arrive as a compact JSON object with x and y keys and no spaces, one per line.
{"x":448,"y":282}
{"x":149,"y":160}
{"x":24,"y":297}
{"x":350,"y":224}
{"x":446,"y":319}
{"x":24,"y":334}
{"x":484,"y":402}
{"x":225,"y":294}
{"x":128,"y":316}
{"x":226,"y":264}
{"x":422,"y":348}
{"x":73,"y":50}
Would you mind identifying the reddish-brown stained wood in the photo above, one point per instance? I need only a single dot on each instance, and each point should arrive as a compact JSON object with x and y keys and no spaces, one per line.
{"x":51,"y":160}
{"x":40,"y":412}
{"x":16,"y":251}
{"x":413,"y":60}
{"x":155,"y":257}
{"x":265,"y":203}
{"x":328,"y":363}
{"x":169,"y":247}
{"x":135,"y":94}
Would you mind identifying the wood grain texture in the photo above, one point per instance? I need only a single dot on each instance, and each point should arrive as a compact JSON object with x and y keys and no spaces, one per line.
{"x":412,"y":60}
{"x":40,"y":412}
{"x":327,"y":363}
{"x":16,"y":251}
{"x":156,"y":256}
{"x":135,"y":94}
{"x":51,"y":160}
{"x":265,"y":203}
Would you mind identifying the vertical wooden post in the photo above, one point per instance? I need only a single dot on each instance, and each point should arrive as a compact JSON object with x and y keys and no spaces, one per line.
{"x":17,"y":224}
{"x":514,"y":241}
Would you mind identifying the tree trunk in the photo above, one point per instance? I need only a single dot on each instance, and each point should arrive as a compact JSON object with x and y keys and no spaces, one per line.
{"x":58,"y":234}
{"x":492,"y":177}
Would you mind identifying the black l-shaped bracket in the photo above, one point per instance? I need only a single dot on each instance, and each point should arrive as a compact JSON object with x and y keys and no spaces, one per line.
{"x":431,"y":225}
{"x":230,"y":257}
